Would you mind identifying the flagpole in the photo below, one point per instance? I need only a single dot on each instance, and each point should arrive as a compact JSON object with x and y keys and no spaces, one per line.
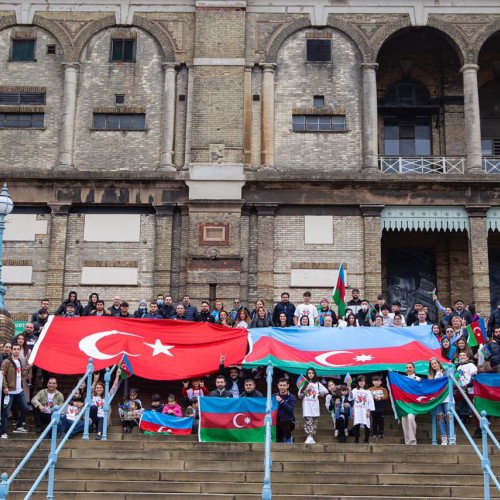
{"x":266,"y":489}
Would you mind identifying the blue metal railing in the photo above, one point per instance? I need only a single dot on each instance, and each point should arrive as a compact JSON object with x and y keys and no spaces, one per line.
{"x":7,"y":481}
{"x":453,"y":416}
{"x":266,"y":489}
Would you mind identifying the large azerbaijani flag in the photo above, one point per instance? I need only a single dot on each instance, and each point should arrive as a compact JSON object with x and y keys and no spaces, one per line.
{"x":416,"y":396}
{"x":487,"y":393}
{"x":235,"y":419}
{"x":334,"y":351}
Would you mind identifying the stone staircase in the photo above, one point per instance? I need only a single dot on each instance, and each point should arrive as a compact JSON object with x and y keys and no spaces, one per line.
{"x":133,"y":465}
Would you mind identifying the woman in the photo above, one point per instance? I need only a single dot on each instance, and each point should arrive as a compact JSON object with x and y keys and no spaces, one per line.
{"x":283,"y":321}
{"x":257,"y":305}
{"x":437,"y":332}
{"x":91,"y":306}
{"x":459,"y":328}
{"x":351,"y":321}
{"x":461,"y":346}
{"x":261,"y":320}
{"x":304,"y":321}
{"x":243,"y":319}
{"x":224,"y":319}
{"x":447,"y":349}
{"x":409,"y":423}
{"x":436,"y":370}
{"x":219,"y":306}
{"x":310,"y":392}
{"x":20,"y":340}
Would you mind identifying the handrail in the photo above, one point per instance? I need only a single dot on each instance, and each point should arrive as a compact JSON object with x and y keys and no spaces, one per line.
{"x":49,"y":467}
{"x":266,"y":489}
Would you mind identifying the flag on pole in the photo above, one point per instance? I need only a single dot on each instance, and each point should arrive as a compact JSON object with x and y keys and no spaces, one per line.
{"x":126,"y":367}
{"x":487,"y":393}
{"x":153,"y":422}
{"x":477,"y":333}
{"x":415,"y":396}
{"x":339,"y":292}
{"x":235,"y":420}
{"x":301,"y":382}
{"x":348,"y":380}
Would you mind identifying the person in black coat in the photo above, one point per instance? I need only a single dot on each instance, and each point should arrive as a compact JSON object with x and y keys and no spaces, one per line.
{"x":234,"y":383}
{"x":285,"y":422}
{"x":220,"y":391}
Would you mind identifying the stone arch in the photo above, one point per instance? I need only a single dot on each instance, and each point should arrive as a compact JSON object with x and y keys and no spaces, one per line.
{"x":490,"y":30}
{"x":44,"y":23}
{"x":164,"y":40}
{"x":279,"y":38}
{"x":386,"y":33}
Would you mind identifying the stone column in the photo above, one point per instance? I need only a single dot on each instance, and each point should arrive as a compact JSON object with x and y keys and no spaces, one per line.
{"x":163,"y":247}
{"x":56,"y":264}
{"x":472,"y":118}
{"x":372,"y":235}
{"x":189,"y":116}
{"x":169,"y":94}
{"x":370,"y":118}
{"x":265,"y":252}
{"x":247,"y":117}
{"x":267,"y":155}
{"x":66,"y":146}
{"x":478,"y":257}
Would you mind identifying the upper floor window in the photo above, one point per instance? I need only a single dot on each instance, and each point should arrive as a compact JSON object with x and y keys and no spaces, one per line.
{"x":22,"y":98}
{"x":123,"y":49}
{"x":21,"y":120}
{"x":407,"y":137}
{"x":319,"y":50}
{"x":490,"y":147}
{"x":23,"y":50}
{"x":407,"y":93}
{"x":119,"y":121}
{"x":319,"y":123}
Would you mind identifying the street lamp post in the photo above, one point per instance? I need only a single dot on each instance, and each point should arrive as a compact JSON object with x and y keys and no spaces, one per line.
{"x":6,"y":207}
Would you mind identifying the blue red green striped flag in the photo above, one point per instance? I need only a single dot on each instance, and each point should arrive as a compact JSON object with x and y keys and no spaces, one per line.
{"x":339,"y":292}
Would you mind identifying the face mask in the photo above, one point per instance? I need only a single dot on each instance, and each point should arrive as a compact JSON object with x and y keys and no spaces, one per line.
{"x":159,"y":303}
{"x":364,"y":308}
{"x":142,"y":308}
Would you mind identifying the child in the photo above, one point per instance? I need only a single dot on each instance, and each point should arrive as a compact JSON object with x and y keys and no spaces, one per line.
{"x":72,"y":411}
{"x":309,"y":393}
{"x":194,"y":411}
{"x":363,"y":404}
{"x":156,"y":404}
{"x":330,"y":402}
{"x":343,"y":411}
{"x":380,"y":396}
{"x":197,"y":389}
{"x":130,"y":412}
{"x":172,"y":408}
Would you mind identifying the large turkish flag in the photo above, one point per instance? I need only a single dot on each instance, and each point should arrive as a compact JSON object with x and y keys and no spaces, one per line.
{"x":157,"y":349}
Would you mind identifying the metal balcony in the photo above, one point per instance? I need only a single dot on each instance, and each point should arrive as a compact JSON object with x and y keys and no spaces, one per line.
{"x":422,"y":165}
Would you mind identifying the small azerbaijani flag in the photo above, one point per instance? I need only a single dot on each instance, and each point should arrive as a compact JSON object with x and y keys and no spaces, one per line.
{"x":487,"y":393}
{"x":301,"y":382}
{"x":477,"y":333}
{"x":153,"y":422}
{"x":348,"y":380}
{"x":126,"y":367}
{"x":339,"y":292}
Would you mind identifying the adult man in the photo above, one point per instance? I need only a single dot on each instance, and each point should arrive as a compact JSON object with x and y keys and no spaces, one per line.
{"x":355,"y":303}
{"x":494,"y":348}
{"x":306,"y":309}
{"x":168,"y":310}
{"x":124,"y":311}
{"x":285,"y":306}
{"x":99,"y":309}
{"x":412,"y":315}
{"x":234,"y":382}
{"x":421,"y":319}
{"x":13,"y":374}
{"x":160,"y":301}
{"x":72,"y":299}
{"x":190,"y":311}
{"x":153,"y":312}
{"x":41,"y":320}
{"x":363,"y":314}
{"x":285,"y":422}
{"x":180,"y":313}
{"x":462,"y":312}
{"x":204,"y":315}
{"x":44,"y":304}
{"x":220,"y":391}
{"x":29,"y":335}
{"x":114,"y":309}
{"x":250,"y":390}
{"x":233,"y":313}
{"x":71,"y":311}
{"x":142,"y":310}
{"x":325,"y":311}
{"x":43,"y":404}
{"x":494,"y":321}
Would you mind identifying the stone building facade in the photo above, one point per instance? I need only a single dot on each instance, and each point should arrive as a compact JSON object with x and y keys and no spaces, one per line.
{"x":239,"y":148}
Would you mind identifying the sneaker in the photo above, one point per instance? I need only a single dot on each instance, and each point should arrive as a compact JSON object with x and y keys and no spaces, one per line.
{"x":288,"y":440}
{"x":20,"y":430}
{"x":4,"y":436}
{"x":444,"y":440}
{"x":310,"y":440}
{"x":336,"y":433}
{"x":346,"y":433}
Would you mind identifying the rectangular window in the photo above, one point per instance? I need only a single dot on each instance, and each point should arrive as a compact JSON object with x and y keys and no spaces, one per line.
{"x":321,"y":123}
{"x":407,"y":137}
{"x":123,"y":50}
{"x":23,"y":50}
{"x":21,"y":120}
{"x":111,"y":121}
{"x":51,"y":48}
{"x":34,"y":98}
{"x":319,"y":50}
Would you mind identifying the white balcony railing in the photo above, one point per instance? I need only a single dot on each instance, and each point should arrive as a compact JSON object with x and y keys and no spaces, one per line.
{"x":422,"y":165}
{"x":491,"y":164}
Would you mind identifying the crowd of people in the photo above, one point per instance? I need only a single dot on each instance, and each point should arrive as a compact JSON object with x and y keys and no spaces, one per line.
{"x":355,"y":405}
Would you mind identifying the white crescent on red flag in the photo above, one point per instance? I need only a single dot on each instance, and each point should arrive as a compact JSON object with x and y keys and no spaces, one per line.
{"x":156,"y":349}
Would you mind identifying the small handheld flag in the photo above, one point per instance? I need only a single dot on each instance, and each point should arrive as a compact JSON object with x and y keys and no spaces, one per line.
{"x":301,"y":382}
{"x":477,"y":333}
{"x":126,"y":367}
{"x":348,"y":380}
{"x":485,"y":352}
{"x":339,"y":292}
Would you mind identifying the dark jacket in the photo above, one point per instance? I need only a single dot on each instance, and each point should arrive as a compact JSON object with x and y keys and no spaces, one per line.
{"x":254,"y":394}
{"x":78,"y":306}
{"x":217,"y":394}
{"x":190,"y":312}
{"x":494,"y":347}
{"x":120,"y":315}
{"x":493,"y":322}
{"x":288,"y":309}
{"x":205,"y":317}
{"x":229,"y":381}
{"x":464,"y":314}
{"x":261,"y":323}
{"x":180,"y":318}
{"x":153,"y":316}
{"x":286,"y":407}
{"x":87,"y":310}
{"x":113,"y":311}
{"x":167,"y":312}
{"x":363,"y":317}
